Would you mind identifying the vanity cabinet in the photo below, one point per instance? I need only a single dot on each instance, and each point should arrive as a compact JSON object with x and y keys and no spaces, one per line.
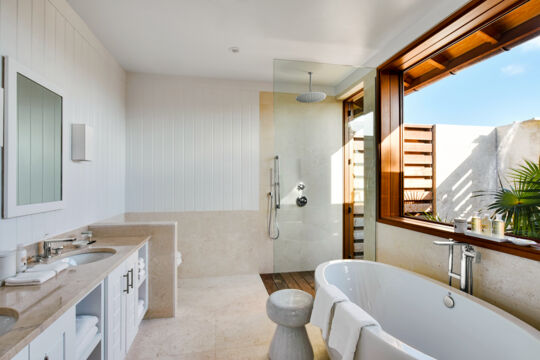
{"x":121,"y":309}
{"x":132,"y":325}
{"x":22,"y":355}
{"x":114,"y":302}
{"x":57,"y":341}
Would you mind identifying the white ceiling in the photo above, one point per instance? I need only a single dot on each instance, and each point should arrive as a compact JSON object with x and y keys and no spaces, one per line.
{"x":192,"y":37}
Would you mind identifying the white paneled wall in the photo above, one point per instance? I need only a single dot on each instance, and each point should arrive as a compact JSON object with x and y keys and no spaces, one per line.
{"x":50,"y":38}
{"x":192,"y":144}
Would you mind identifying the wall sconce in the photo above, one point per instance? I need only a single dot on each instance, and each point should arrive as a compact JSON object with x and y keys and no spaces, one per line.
{"x":81,"y":142}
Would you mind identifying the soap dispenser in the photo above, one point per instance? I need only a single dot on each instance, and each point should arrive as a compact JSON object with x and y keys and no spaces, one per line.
{"x":476,"y":223}
{"x":499,"y":226}
{"x":486,"y":225}
{"x":21,"y":261}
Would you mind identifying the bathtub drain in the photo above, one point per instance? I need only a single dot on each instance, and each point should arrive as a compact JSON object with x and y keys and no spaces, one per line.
{"x":448,"y":301}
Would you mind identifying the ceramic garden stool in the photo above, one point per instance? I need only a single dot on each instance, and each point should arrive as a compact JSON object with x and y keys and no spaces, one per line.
{"x":290,"y":309}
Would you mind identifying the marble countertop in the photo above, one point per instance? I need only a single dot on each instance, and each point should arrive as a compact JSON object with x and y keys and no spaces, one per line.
{"x":38,"y":306}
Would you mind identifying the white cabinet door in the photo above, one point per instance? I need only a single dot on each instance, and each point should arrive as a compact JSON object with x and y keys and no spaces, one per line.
{"x":22,"y":355}
{"x":115,"y":288}
{"x":57,"y":341}
{"x":131,"y":300}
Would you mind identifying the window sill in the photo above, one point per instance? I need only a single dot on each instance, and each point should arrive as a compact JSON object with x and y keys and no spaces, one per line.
{"x":446,"y":231}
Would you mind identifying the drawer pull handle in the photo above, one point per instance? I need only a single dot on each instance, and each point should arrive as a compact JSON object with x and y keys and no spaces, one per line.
{"x":131,"y":272}
{"x":126,"y":275}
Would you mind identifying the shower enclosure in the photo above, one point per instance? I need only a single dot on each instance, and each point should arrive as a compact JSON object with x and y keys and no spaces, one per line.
{"x":320,"y":196}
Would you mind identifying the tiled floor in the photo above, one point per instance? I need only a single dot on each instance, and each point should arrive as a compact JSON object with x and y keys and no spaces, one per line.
{"x":217,"y":318}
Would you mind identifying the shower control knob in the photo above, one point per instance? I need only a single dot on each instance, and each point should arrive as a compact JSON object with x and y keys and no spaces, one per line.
{"x":301,"y":201}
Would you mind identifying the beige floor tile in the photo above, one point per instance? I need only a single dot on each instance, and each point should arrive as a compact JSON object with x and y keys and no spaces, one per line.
{"x":216,"y":318}
{"x":243,"y":353}
{"x":243,"y":330}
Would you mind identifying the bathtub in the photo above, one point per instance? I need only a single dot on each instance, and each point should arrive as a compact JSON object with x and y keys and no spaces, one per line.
{"x":416,"y":323}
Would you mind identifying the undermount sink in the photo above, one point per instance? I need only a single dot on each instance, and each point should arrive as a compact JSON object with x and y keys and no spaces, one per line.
{"x":88,"y":257}
{"x":8,"y":318}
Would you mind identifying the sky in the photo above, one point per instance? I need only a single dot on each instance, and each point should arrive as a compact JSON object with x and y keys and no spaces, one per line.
{"x":497,"y":91}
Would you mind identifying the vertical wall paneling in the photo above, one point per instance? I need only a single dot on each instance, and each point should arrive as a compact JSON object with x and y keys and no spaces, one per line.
{"x":194,"y":142}
{"x":51,"y":39}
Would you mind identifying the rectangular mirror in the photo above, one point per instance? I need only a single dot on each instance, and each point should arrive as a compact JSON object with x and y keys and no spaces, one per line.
{"x":33,"y":142}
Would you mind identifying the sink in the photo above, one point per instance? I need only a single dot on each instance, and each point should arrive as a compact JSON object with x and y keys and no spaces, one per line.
{"x":88,"y":257}
{"x":8,"y":318}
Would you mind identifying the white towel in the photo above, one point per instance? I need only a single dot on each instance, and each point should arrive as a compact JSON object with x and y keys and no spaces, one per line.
{"x":349,"y":319}
{"x":30,"y":278}
{"x":325,"y":298}
{"x":142,"y":274}
{"x":84,"y":323}
{"x":140,"y":308}
{"x":56,"y":266}
{"x":85,"y":341}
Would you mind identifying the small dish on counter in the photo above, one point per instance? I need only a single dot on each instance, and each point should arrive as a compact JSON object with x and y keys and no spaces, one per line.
{"x":521,"y":242}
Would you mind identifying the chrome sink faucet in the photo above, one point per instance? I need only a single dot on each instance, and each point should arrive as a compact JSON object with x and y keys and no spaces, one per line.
{"x":48,"y":246}
{"x":468,"y":254}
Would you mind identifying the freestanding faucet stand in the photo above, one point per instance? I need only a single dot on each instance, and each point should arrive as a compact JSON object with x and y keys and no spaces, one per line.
{"x":468,"y":254}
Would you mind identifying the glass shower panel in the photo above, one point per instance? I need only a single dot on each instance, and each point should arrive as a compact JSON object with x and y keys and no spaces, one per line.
{"x":308,"y":139}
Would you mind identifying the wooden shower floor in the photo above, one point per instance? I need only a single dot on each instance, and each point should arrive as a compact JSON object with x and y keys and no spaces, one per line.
{"x":303,"y":280}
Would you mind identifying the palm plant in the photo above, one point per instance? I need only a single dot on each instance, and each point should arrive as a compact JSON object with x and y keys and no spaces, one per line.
{"x":519,"y":201}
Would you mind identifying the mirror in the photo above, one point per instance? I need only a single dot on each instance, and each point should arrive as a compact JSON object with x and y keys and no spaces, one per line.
{"x":32,"y":142}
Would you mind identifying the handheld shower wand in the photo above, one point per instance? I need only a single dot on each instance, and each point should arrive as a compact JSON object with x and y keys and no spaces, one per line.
{"x":274,"y":201}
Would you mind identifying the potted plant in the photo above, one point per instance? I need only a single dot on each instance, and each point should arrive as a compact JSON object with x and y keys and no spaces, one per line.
{"x":519,"y":200}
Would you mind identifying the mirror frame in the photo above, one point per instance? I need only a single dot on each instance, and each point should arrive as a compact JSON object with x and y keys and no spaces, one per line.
{"x":11,"y":208}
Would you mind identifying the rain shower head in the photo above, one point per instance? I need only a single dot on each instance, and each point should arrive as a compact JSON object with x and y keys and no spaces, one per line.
{"x":311,"y":96}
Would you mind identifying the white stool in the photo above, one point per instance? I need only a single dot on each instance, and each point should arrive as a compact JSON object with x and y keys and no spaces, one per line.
{"x":290,"y":310}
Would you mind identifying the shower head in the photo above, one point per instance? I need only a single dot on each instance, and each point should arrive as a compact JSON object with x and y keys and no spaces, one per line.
{"x":311,"y":96}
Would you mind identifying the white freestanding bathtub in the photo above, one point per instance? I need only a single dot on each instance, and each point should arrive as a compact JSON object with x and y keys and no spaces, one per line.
{"x":416,"y":323}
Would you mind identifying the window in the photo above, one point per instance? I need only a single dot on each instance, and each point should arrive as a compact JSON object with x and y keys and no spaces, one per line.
{"x":466,"y":136}
{"x":458,"y":117}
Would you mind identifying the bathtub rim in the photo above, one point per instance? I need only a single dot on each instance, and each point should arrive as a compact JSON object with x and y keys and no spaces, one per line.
{"x":321,"y":278}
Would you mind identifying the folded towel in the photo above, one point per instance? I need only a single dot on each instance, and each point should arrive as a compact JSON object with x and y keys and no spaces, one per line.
{"x":140,"y":307}
{"x":83,"y":323}
{"x":85,"y":340}
{"x":57,"y":267}
{"x":178,"y":258}
{"x":349,"y":319}
{"x":325,"y":299}
{"x":30,"y":278}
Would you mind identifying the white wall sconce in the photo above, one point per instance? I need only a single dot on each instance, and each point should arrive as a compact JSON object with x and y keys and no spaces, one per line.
{"x":81,"y":142}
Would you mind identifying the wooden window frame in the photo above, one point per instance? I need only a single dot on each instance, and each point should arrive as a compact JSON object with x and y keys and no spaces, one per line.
{"x":390,"y":92}
{"x":348,"y":202}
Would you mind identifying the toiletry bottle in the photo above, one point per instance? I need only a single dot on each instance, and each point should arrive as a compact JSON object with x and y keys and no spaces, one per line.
{"x":476,"y":225}
{"x":21,"y":258}
{"x":498,"y":226}
{"x":486,"y":225}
